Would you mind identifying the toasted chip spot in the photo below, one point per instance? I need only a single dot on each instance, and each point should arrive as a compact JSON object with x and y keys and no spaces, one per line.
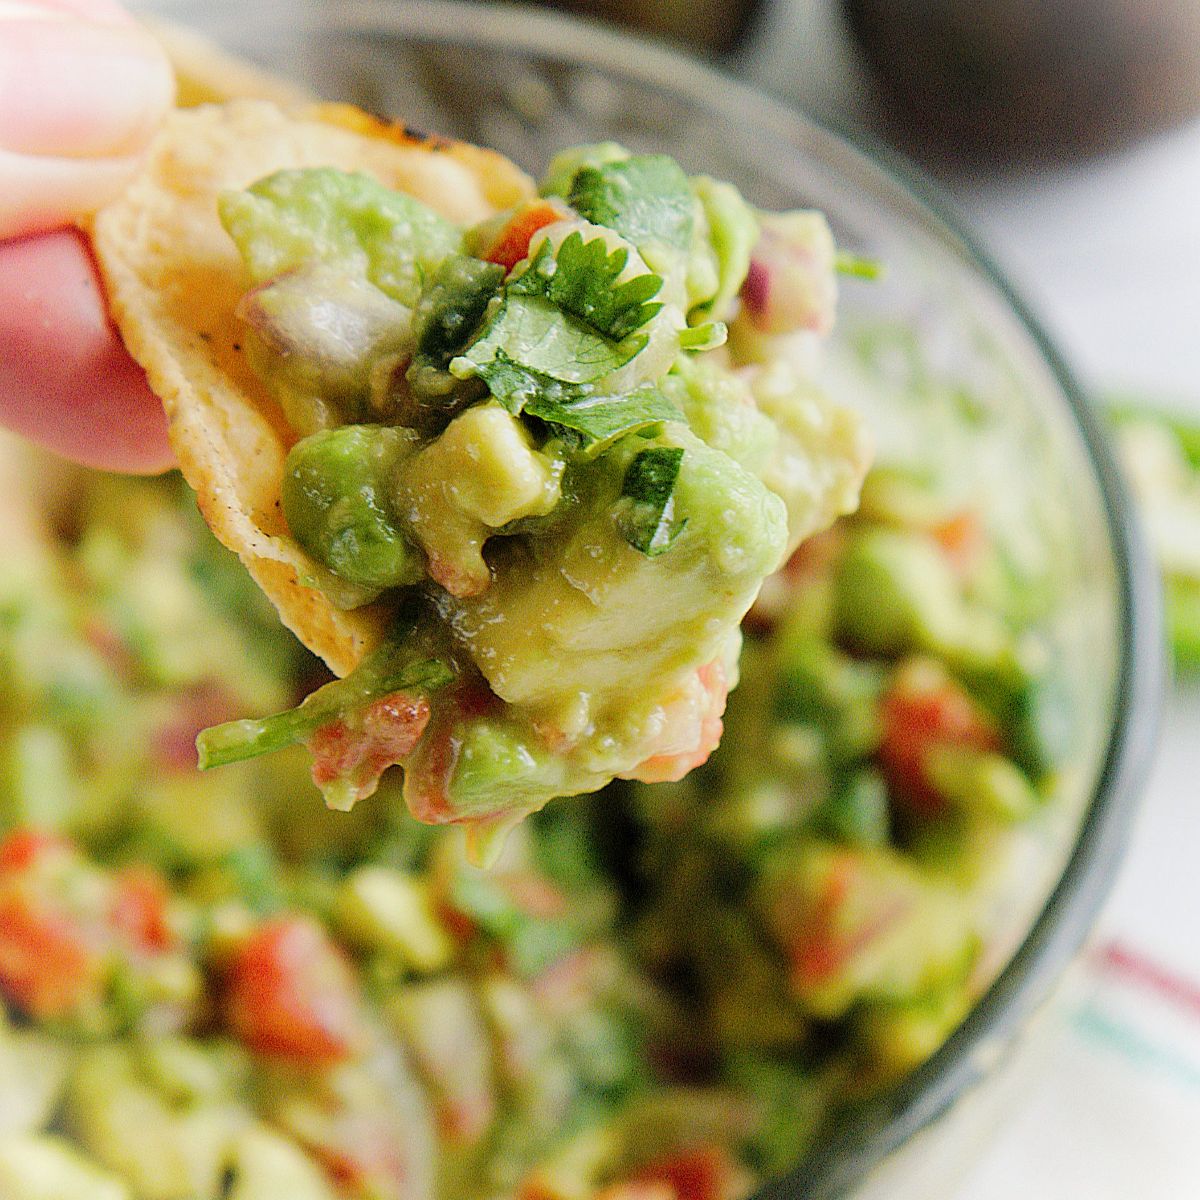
{"x":174,"y":280}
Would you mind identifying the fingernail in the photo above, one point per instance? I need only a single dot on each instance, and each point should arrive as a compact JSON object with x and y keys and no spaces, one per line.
{"x":75,"y":88}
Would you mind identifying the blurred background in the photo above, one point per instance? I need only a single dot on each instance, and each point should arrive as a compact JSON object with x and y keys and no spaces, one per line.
{"x":1068,"y":134}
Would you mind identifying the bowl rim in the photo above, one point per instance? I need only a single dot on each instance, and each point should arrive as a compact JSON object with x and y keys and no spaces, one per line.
{"x":1061,"y":927}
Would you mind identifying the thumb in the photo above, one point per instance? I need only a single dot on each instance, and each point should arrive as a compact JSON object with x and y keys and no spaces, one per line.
{"x":82,"y":89}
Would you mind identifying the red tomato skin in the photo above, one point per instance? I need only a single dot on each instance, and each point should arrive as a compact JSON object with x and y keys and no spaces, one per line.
{"x":915,"y":722}
{"x":140,"y":910}
{"x":512,"y":243}
{"x":385,"y":735}
{"x":49,"y":966}
{"x":291,"y":995}
{"x":48,"y":969}
{"x":699,"y":1173}
{"x":22,"y":848}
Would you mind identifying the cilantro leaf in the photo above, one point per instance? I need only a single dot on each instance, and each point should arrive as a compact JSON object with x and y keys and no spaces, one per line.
{"x":581,"y":279}
{"x":645,"y":198}
{"x":591,"y":419}
{"x":515,"y":385}
{"x":646,"y":510}
{"x":598,"y":421}
{"x":565,"y":319}
{"x":536,"y":334}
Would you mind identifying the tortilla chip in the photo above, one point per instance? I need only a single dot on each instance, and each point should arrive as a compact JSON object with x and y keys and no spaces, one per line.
{"x":174,"y":278}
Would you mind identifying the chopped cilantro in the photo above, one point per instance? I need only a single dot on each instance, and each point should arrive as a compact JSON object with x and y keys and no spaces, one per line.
{"x":393,"y":666}
{"x":857,"y":266}
{"x":582,"y":278}
{"x":647,"y":511}
{"x":452,"y":306}
{"x":565,"y":323}
{"x":598,"y":421}
{"x":645,"y":198}
{"x":592,"y":419}
{"x":535,"y":333}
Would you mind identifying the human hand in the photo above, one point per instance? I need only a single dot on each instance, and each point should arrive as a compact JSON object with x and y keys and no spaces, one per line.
{"x":82,"y":90}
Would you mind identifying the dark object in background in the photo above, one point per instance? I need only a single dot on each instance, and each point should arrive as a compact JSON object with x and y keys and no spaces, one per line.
{"x":703,"y":26}
{"x":1001,"y":82}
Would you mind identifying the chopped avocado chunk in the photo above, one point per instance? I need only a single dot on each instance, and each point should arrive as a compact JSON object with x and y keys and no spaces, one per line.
{"x":166,"y":1152}
{"x":727,"y":236}
{"x":480,"y":474}
{"x":388,"y":910}
{"x":337,"y":497}
{"x":296,"y":218}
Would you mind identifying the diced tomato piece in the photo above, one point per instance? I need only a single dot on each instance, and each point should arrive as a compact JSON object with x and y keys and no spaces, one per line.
{"x":918,"y":715}
{"x":291,"y":994}
{"x":386,"y":734}
{"x":139,"y":910}
{"x":50,"y":962}
{"x":962,"y":539}
{"x":669,"y":768}
{"x":512,"y":242}
{"x":24,"y":847}
{"x":825,"y":942}
{"x":48,"y":966}
{"x":700,"y":1173}
{"x":642,"y":1190}
{"x":429,"y":774}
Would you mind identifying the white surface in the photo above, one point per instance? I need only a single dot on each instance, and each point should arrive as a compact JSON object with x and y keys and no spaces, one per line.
{"x":1109,"y":252}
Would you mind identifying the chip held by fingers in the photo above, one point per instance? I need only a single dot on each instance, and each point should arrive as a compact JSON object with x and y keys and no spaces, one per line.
{"x":514,"y":460}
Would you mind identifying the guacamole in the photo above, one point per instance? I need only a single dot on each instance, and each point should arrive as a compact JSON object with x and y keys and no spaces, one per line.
{"x":560,"y":449}
{"x":213,"y":989}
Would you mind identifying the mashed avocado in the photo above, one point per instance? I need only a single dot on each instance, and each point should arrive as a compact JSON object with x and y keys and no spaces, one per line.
{"x":529,"y":437}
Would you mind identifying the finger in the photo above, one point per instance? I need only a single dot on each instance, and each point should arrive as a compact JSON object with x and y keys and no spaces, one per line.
{"x":67,"y":381}
{"x":81,"y":92}
{"x":38,"y":194}
{"x":72,"y":89}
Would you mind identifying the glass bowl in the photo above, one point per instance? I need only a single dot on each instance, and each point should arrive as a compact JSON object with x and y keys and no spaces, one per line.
{"x":529,"y":82}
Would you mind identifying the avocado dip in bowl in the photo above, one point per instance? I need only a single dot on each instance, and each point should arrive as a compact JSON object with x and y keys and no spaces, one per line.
{"x":758,"y":980}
